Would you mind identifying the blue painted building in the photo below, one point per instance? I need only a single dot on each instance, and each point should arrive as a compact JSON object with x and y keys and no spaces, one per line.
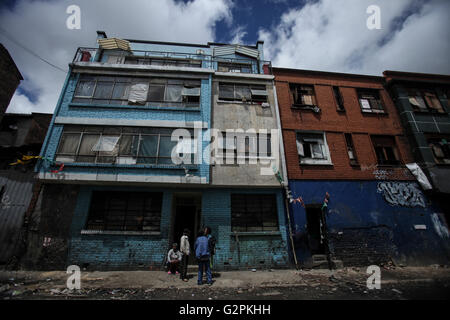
{"x":131,"y":140}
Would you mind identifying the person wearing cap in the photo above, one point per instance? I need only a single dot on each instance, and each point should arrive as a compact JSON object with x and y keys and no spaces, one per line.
{"x":173,"y":259}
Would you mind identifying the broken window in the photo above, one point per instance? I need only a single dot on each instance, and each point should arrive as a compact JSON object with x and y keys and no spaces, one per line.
{"x":424,"y":100}
{"x":303,"y":95}
{"x":312,"y":148}
{"x":242,"y":93}
{"x":350,"y":149}
{"x":370,"y":101}
{"x":385,"y":150}
{"x":338,"y":98}
{"x":440,"y":148}
{"x":124,"y":145}
{"x":125,"y":211}
{"x":254,"y":212}
{"x":234,"y":67}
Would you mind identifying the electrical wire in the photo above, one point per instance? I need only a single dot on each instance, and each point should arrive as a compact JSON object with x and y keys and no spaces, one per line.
{"x":3,"y":32}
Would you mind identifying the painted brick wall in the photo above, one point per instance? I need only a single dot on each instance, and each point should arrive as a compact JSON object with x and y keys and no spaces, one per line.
{"x":125,"y":251}
{"x":363,"y":227}
{"x":336,"y":123}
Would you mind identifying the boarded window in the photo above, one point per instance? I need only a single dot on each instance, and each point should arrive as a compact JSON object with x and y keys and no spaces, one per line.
{"x":253,"y":212}
{"x":125,"y":211}
{"x":441,"y":149}
{"x":303,"y":95}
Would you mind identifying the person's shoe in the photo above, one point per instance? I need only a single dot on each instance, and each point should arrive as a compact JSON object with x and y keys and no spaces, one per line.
{"x":177,"y":272}
{"x":185,"y":280}
{"x":169,"y":272}
{"x":210,"y":283}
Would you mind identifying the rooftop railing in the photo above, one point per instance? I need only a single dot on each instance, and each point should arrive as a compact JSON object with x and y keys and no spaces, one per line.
{"x":175,"y":59}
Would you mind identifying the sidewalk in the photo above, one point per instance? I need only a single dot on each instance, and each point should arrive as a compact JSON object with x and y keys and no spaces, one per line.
{"x":140,"y":284}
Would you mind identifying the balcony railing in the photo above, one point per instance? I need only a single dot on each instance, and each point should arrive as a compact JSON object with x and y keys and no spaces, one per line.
{"x":174,"y":59}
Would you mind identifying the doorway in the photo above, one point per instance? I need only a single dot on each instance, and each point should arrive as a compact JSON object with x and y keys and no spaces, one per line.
{"x":187,"y":213}
{"x":314,"y":227}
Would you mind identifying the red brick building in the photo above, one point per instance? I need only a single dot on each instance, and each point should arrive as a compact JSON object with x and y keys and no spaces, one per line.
{"x":346,"y":151}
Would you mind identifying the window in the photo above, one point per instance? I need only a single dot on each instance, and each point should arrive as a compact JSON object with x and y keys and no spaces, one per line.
{"x":234,"y":67}
{"x":350,"y":149}
{"x":441,"y":149}
{"x":303,"y":96}
{"x":118,"y":145}
{"x":424,"y":100}
{"x":312,"y":148}
{"x":125,"y":211}
{"x":253,"y":212}
{"x":338,"y":98}
{"x":385,"y":150}
{"x":137,"y":91}
{"x":190,"y":63}
{"x":239,"y":148}
{"x":242,"y":93}
{"x":370,"y":101}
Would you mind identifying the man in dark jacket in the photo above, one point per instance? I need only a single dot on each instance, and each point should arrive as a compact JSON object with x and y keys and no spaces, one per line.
{"x":202,"y":254}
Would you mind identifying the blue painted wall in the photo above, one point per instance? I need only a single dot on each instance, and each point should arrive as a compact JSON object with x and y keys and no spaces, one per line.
{"x":358,"y":210}
{"x":122,"y":251}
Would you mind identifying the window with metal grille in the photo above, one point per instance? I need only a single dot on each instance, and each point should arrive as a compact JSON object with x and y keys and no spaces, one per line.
{"x":385,"y":150}
{"x":370,"y":101}
{"x":120,"y":145}
{"x":125,"y":211}
{"x":253,"y":212}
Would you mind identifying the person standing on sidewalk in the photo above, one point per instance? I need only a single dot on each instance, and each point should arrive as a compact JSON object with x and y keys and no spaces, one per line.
{"x":202,"y":255}
{"x":185,"y":251}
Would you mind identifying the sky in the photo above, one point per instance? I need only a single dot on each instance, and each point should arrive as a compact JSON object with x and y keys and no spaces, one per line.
{"x":326,"y":35}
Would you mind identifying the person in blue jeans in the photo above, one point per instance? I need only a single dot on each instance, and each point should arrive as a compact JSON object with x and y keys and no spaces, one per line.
{"x":202,"y":254}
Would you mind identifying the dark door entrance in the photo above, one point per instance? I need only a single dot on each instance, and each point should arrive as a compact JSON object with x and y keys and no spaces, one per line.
{"x":186,"y":216}
{"x":313,"y":224}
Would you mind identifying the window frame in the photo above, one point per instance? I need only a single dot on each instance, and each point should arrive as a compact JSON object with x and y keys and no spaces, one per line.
{"x":432,"y":141}
{"x":421,"y":93}
{"x":138,"y":134}
{"x":248,"y":215}
{"x":234,"y":66}
{"x":351,"y":148}
{"x":241,"y":158}
{"x":95,"y":220}
{"x":324,"y":148}
{"x":254,"y":99}
{"x":392,"y":144}
{"x":339,"y":99}
{"x":130,"y":82}
{"x":376,"y":93}
{"x":297,"y":86}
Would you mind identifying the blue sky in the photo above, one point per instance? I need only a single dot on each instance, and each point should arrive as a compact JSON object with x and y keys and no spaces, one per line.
{"x":327,"y":35}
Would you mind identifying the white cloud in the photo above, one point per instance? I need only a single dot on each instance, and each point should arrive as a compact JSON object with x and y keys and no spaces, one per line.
{"x":332,"y":35}
{"x":41,"y":26}
{"x":238,"y":35}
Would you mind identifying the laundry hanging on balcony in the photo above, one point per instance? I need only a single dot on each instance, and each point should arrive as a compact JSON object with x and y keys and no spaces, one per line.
{"x":138,"y":93}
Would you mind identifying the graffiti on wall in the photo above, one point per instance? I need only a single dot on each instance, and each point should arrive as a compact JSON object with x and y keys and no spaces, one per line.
{"x":402,"y":194}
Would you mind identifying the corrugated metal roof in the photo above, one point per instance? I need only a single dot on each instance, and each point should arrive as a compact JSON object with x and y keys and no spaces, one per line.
{"x":17,"y":193}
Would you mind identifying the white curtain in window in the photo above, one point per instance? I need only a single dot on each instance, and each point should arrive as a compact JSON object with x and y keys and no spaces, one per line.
{"x":138,"y":93}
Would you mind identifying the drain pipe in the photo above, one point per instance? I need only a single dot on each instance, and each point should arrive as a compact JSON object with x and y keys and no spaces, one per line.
{"x":284,"y":184}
